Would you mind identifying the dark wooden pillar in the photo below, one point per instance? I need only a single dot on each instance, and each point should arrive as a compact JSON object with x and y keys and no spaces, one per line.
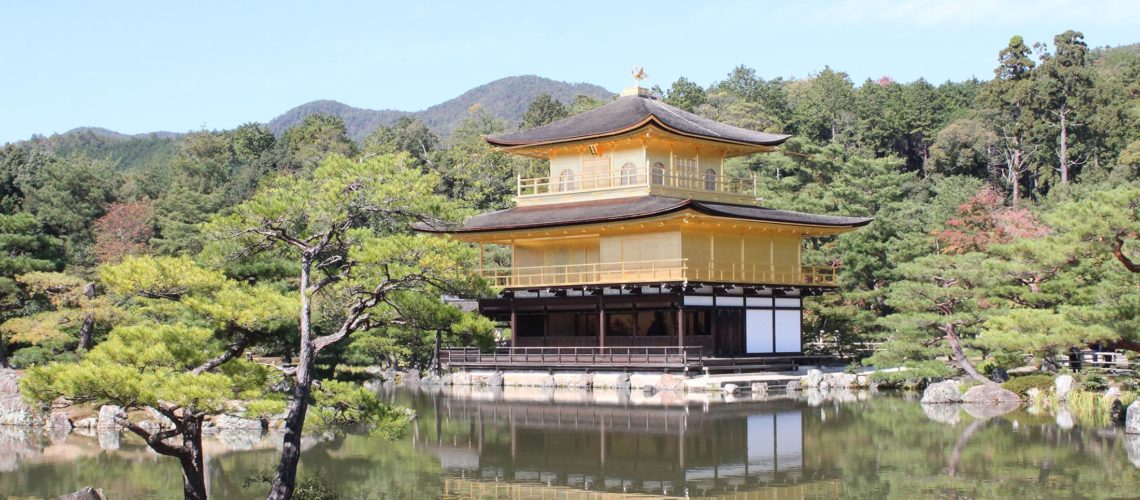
{"x":680,"y":326}
{"x":514,"y":323}
{"x":602,"y":320}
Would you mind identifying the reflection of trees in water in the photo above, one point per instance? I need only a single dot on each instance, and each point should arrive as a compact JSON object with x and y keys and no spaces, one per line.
{"x":877,"y":448}
{"x":888,"y":447}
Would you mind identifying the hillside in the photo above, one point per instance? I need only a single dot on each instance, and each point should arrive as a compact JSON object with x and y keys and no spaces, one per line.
{"x":128,"y":152}
{"x":505,"y":98}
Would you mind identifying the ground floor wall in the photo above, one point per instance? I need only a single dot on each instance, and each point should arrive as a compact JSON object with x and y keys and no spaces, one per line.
{"x":722,"y":324}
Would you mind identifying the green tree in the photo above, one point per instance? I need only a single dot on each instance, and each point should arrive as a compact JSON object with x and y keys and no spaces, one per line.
{"x":346,"y":226}
{"x":583,"y":103}
{"x":543,"y":110}
{"x":408,"y":135}
{"x":177,"y":354}
{"x":72,"y":312}
{"x":1008,"y":99}
{"x":318,"y":136}
{"x":962,"y":148}
{"x":686,"y":94}
{"x":66,"y":195}
{"x":24,"y":248}
{"x":1064,"y":86}
{"x":474,"y":172}
{"x":939,"y":304}
{"x":823,"y":107}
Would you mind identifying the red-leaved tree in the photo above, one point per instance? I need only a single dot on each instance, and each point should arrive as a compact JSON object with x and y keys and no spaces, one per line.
{"x":125,"y":230}
{"x":984,"y":220}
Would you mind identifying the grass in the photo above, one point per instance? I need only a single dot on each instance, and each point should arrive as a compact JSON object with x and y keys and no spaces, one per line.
{"x":1022,"y":384}
{"x":1089,"y":408}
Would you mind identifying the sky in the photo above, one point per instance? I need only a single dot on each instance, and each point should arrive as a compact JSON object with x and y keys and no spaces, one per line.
{"x":147,"y":66}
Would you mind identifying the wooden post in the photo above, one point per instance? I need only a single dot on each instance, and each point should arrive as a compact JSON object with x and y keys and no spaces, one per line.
{"x":514,"y":325}
{"x":680,"y":327}
{"x":602,"y":320}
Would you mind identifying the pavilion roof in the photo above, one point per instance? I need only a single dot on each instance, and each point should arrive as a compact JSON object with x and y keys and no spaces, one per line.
{"x":629,"y":113}
{"x":633,"y":208}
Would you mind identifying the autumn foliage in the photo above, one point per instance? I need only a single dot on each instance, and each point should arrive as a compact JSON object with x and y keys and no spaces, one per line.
{"x":124,"y":231}
{"x":984,"y":220}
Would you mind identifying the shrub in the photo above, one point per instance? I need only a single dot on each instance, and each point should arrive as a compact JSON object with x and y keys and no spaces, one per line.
{"x":1022,"y":384}
{"x":1093,"y":380}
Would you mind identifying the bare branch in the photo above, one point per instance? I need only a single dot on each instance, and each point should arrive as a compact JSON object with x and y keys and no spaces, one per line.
{"x":155,"y":441}
{"x":234,"y":350}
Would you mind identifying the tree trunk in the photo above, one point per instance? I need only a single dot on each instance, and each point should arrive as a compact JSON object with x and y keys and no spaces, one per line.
{"x":438,"y":344}
{"x":286,"y":478}
{"x":193,"y":472}
{"x":88,"y":328}
{"x":1015,"y":175}
{"x":960,"y":355}
{"x":1064,"y":153}
{"x":3,"y":352}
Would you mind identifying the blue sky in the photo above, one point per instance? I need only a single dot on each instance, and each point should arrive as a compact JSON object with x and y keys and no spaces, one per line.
{"x":145,"y":66}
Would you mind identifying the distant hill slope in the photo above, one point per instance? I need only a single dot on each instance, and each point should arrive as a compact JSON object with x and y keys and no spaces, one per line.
{"x":128,"y":152}
{"x":505,"y":98}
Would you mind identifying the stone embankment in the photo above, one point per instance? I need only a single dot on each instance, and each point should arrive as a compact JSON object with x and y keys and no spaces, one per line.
{"x":756,"y":383}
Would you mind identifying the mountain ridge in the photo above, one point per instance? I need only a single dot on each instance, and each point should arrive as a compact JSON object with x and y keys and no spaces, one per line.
{"x":506,"y":98}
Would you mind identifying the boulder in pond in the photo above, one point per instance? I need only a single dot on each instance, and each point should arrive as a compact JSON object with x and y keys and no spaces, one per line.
{"x":1132,"y":447}
{"x":584,"y":381}
{"x":58,"y":420}
{"x":13,"y":410}
{"x":945,"y":392}
{"x":107,"y":415}
{"x":793,"y":386}
{"x":731,"y":389}
{"x":1132,"y":418}
{"x":759,"y":388}
{"x":990,"y":393}
{"x":495,"y":380}
{"x":944,"y":414}
{"x":87,"y":493}
{"x":623,"y":382}
{"x":1063,"y":386}
{"x":813,"y":378}
{"x":231,"y":422}
{"x":1116,"y":412}
{"x":1065,"y":418}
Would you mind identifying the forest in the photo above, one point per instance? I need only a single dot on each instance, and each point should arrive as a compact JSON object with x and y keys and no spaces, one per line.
{"x":1006,"y":211}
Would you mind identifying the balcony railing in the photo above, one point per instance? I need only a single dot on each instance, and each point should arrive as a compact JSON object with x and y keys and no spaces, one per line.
{"x":684,"y":180}
{"x":556,"y":357}
{"x":665,"y":270}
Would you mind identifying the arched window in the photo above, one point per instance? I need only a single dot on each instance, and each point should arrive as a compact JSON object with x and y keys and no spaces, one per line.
{"x":710,"y":180}
{"x":628,"y":174}
{"x":566,"y":180}
{"x":658,"y":173}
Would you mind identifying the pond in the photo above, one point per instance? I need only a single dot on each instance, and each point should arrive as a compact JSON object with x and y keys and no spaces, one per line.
{"x":519,"y":443}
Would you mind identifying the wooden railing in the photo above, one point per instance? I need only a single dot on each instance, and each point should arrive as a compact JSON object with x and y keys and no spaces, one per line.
{"x":652,"y":176}
{"x":555,"y":357}
{"x":663,"y":270}
{"x":587,"y":274}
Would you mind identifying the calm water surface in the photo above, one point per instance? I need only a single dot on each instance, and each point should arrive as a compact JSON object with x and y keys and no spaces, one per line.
{"x":575,"y":444}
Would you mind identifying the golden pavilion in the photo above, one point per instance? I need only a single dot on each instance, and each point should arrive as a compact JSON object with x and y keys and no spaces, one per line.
{"x":637,"y":250}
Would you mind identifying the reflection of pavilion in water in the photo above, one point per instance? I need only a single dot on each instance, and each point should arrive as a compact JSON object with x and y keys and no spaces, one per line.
{"x":621,"y":448}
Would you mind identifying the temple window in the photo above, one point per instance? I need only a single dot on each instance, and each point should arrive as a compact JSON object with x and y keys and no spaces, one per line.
{"x":566,"y":180}
{"x":628,"y":174}
{"x":710,"y":180}
{"x":658,"y":173}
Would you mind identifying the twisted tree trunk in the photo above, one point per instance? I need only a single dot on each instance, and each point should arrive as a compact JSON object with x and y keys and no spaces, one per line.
{"x":285,"y":481}
{"x":960,"y":355}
